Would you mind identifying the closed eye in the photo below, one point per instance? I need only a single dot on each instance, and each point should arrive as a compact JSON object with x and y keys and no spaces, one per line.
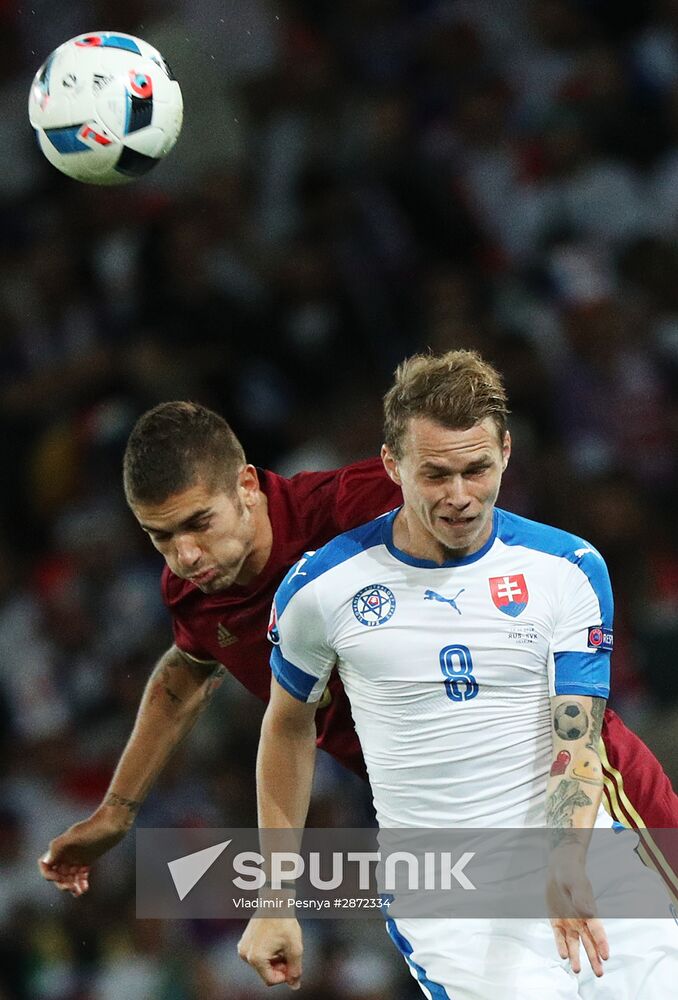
{"x":189,"y":526}
{"x":157,"y":536}
{"x":477,"y":470}
{"x":198,"y":526}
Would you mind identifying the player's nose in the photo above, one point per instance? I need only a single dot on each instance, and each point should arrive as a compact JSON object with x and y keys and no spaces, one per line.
{"x":456,"y":493}
{"x":188,"y":553}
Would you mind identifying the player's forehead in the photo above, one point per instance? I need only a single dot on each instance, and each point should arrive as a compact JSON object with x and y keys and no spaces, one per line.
{"x":427,"y":442}
{"x":200,"y":498}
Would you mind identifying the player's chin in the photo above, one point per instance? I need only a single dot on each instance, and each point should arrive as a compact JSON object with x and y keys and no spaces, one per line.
{"x":213,"y":586}
{"x":222,"y":580}
{"x":458,"y":523}
{"x":459,"y":530}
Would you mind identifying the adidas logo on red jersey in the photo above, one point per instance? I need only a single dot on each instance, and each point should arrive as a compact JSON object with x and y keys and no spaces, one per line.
{"x":224,"y":637}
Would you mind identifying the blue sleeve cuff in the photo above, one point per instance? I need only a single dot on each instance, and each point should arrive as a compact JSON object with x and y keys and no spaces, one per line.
{"x":583,"y":673}
{"x":295,"y":681}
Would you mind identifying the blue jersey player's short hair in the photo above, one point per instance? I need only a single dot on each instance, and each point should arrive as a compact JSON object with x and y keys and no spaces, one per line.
{"x":457,"y":389}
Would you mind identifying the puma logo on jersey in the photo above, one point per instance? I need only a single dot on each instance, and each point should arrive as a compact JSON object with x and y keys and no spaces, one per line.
{"x":224,"y":637}
{"x":431,"y":595}
{"x":298,"y":570}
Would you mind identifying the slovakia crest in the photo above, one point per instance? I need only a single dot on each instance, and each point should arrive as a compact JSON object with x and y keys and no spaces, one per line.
{"x":509,"y":594}
{"x":374,"y":605}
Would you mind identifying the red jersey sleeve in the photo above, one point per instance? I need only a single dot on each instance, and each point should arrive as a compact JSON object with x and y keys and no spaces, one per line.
{"x":639,"y":795}
{"x":638,"y":791}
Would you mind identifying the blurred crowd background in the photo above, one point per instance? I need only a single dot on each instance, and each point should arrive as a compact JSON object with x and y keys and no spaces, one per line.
{"x":355,"y":181}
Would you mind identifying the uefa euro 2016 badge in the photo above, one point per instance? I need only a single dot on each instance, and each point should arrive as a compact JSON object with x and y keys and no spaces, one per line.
{"x":374,"y":605}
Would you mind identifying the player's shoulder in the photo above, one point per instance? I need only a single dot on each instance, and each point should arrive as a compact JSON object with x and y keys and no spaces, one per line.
{"x":313,"y":566}
{"x":366,"y":479}
{"x":305,"y":485}
{"x":513,"y":529}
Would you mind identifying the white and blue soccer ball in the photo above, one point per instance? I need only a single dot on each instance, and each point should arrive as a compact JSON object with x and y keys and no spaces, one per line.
{"x":105,"y":107}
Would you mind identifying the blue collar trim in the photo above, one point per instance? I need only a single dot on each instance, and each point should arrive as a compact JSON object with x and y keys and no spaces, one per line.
{"x":405,"y":557}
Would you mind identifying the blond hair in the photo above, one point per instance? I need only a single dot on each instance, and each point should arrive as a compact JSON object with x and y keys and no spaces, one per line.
{"x":456,"y":389}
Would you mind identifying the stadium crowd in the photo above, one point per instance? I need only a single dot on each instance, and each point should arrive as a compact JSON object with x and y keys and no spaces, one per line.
{"x":354,"y":182}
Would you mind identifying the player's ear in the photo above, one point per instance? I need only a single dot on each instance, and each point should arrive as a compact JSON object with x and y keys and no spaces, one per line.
{"x":390,"y":464}
{"x":248,"y":483}
{"x":506,"y":450}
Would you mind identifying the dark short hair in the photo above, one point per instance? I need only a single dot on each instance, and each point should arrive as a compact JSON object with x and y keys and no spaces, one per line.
{"x":175,"y":445}
{"x":457,"y":389}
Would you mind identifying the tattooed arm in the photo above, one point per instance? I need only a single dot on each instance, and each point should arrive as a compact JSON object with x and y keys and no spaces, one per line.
{"x":176,"y":693}
{"x":573,"y":795}
{"x":575,"y":783}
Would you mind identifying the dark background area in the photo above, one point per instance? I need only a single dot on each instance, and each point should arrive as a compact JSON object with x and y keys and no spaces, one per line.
{"x":354,"y":182}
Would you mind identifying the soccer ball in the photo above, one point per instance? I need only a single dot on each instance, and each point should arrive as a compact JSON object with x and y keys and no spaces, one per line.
{"x":105,"y":107}
{"x":570,"y":721}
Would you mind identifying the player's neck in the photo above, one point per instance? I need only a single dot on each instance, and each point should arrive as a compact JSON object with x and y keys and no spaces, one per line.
{"x":412,"y":538}
{"x":262,"y":544}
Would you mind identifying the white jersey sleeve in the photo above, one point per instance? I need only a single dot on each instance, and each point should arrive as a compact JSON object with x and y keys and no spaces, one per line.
{"x":301,"y":659}
{"x":582,"y":639}
{"x":581,"y":626}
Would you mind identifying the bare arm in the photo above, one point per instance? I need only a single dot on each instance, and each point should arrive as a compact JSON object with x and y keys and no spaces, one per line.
{"x":285,"y":764}
{"x":176,"y":693}
{"x":573,"y":795}
{"x":285,"y":761}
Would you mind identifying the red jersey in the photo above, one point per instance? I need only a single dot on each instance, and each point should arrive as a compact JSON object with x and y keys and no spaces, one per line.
{"x":306,"y":511}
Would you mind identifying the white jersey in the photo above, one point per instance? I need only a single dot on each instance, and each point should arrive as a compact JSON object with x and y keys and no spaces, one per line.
{"x":449,"y":669}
